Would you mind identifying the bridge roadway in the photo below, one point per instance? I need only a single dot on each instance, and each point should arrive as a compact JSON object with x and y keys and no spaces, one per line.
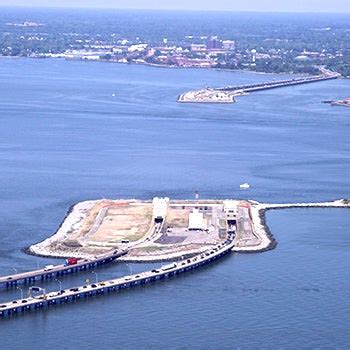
{"x":276,"y":84}
{"x":82,"y":292}
{"x":59,"y":270}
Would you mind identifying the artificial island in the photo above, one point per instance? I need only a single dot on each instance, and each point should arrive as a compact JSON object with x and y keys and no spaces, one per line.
{"x":162,"y":229}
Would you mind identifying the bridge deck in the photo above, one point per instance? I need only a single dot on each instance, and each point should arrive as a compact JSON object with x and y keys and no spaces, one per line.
{"x":276,"y":84}
{"x":73,"y":294}
{"x":59,"y":270}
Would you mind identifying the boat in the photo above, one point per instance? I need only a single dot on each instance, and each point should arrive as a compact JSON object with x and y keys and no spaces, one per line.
{"x":244,"y":186}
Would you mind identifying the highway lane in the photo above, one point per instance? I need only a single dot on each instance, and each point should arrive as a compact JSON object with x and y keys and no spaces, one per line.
{"x":45,"y":300}
{"x":82,"y":264}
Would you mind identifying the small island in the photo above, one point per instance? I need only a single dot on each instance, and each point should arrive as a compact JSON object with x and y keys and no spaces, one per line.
{"x":208,"y":96}
{"x":344,"y":103}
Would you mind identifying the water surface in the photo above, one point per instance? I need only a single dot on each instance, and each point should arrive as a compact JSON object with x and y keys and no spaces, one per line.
{"x":65,"y":138}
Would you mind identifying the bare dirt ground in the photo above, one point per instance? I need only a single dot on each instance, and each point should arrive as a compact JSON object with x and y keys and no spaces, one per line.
{"x":88,"y":221}
{"x":111,"y":221}
{"x":177,"y":217}
{"x":129,"y":222}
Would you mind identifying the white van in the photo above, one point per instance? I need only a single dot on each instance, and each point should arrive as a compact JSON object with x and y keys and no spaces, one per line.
{"x":48,"y":267}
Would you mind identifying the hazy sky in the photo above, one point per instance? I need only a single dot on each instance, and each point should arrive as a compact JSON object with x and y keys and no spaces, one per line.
{"x":233,"y":5}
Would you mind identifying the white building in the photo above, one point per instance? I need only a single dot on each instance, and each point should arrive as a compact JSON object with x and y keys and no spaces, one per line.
{"x":137,"y":48}
{"x":160,"y":208}
{"x":253,"y":53}
{"x":198,"y":48}
{"x":231,"y":209}
{"x":196,"y":221}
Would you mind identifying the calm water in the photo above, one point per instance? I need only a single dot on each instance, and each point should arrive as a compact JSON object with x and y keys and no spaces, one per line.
{"x":65,"y":138}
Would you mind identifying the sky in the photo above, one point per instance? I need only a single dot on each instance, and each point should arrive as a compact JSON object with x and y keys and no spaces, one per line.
{"x":340,"y":6}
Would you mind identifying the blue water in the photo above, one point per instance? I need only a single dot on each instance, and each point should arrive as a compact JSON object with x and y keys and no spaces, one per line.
{"x":65,"y":138}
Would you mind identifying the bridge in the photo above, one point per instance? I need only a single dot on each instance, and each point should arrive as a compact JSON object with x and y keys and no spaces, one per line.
{"x":227,"y":94}
{"x":21,"y":306}
{"x":59,"y":270}
{"x":276,"y":84}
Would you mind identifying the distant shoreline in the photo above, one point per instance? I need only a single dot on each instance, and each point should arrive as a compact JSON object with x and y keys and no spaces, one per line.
{"x":157,"y":65}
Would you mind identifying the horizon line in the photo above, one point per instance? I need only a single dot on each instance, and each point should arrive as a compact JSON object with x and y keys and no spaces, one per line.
{"x":167,"y":10}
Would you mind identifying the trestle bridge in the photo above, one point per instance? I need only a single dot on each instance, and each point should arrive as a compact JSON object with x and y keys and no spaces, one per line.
{"x":276,"y":84}
{"x":51,"y":299}
{"x":59,"y":270}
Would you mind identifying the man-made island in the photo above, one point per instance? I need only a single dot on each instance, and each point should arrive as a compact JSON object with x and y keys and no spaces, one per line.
{"x":345,"y":102}
{"x":162,"y":229}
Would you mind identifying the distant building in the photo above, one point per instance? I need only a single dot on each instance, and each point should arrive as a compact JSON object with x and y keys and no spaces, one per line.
{"x":262,"y":56}
{"x":228,"y":45}
{"x":137,"y":48}
{"x":193,"y":62}
{"x":311,"y":54}
{"x":198,"y":48}
{"x":213,"y":43}
{"x":253,"y":53}
{"x":119,"y":49}
{"x":301,"y":58}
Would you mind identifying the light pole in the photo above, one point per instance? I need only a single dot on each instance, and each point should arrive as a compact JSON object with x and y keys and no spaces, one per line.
{"x":59,"y":282}
{"x":14,"y":269}
{"x":19,"y":288}
{"x":96,"y":276}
